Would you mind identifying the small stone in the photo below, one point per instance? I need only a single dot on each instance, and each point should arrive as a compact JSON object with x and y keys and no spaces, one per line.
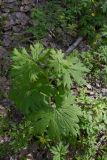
{"x":22,"y":18}
{"x":6,"y":40}
{"x":3,"y":111}
{"x":98,"y":85}
{"x":3,"y":52}
{"x":21,"y":8}
{"x":104,"y":91}
{"x":91,"y":93}
{"x":6,"y":103}
{"x":1,"y":140}
{"x":16,"y":29}
{"x":25,"y":8}
{"x":29,"y":157}
{"x":89,"y":86}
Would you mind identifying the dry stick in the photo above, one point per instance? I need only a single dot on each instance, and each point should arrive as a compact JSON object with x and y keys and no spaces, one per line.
{"x":99,"y":144}
{"x":73,"y":46}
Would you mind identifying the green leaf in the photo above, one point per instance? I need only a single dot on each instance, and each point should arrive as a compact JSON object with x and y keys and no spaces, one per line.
{"x":41,"y":89}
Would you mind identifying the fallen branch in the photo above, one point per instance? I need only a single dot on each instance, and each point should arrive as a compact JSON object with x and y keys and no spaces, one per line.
{"x":73,"y":46}
{"x":100,"y":142}
{"x":98,"y":145}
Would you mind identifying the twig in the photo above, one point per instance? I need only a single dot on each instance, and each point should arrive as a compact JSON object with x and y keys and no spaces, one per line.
{"x":98,"y":145}
{"x":73,"y":46}
{"x":100,"y":142}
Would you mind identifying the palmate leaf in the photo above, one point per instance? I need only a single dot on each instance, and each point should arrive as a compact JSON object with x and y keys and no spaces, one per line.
{"x":57,"y":121}
{"x":68,"y":70}
{"x":41,"y":82}
{"x":78,"y":71}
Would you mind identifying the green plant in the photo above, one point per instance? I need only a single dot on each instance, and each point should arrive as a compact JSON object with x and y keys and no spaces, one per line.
{"x":20,"y":135}
{"x":104,"y":31}
{"x":59,"y":151}
{"x":73,"y":17}
{"x":101,"y":53}
{"x":46,"y":19}
{"x":103,"y":35}
{"x":98,"y":68}
{"x":90,"y":16}
{"x":93,"y":125}
{"x":41,"y":89}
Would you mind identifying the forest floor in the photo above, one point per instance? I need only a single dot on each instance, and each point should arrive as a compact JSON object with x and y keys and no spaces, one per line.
{"x":14,"y":19}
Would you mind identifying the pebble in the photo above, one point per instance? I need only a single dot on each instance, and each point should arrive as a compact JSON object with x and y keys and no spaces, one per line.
{"x":3,"y":52}
{"x":3,"y":112}
{"x":104,"y":91}
{"x":89,"y":86}
{"x":6,"y":103}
